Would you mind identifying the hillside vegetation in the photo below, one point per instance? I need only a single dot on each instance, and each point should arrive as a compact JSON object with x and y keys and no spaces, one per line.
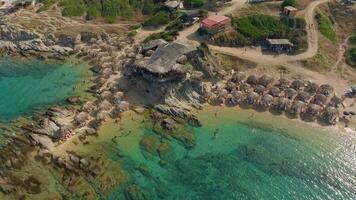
{"x":325,"y":27}
{"x":109,"y":9}
{"x":254,"y":29}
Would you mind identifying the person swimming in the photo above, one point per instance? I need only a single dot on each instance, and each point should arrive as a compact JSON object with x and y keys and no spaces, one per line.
{"x":216,"y":131}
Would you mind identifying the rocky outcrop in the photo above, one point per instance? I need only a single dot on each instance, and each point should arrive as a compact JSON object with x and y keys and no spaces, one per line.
{"x":16,"y":39}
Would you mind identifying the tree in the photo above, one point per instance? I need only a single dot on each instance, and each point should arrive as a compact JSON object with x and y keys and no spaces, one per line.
{"x":288,"y":3}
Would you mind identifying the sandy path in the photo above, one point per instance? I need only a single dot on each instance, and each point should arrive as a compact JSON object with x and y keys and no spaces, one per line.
{"x":255,"y":54}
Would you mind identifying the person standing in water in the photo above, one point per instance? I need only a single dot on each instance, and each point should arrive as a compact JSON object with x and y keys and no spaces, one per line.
{"x":216,"y":133}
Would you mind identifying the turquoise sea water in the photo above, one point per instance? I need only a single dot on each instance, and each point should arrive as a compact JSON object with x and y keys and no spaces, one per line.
{"x":246,"y":161}
{"x":29,"y":85}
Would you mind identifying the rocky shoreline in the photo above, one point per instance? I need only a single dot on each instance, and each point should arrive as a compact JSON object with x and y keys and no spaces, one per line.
{"x":191,"y":82}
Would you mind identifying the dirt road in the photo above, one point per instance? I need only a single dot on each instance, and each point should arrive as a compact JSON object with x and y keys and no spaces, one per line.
{"x":255,"y":54}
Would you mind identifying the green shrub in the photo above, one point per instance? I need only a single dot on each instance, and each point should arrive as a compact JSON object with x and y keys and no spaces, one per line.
{"x":46,"y":4}
{"x":286,"y":3}
{"x":109,"y":9}
{"x":176,"y":25}
{"x":351,"y":57}
{"x":132,"y":34}
{"x":325,"y":27}
{"x":193,"y":3}
{"x":135,"y":26}
{"x":166,"y":35}
{"x":353,"y":39}
{"x":259,"y":27}
{"x":93,"y":11}
{"x":203,"y":13}
{"x":202,"y":32}
{"x":159,"y":19}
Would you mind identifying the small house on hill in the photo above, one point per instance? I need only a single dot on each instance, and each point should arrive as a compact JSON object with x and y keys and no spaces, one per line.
{"x":173,"y":5}
{"x":279,"y":45}
{"x":290,"y":11}
{"x":166,"y":63}
{"x":214,"y":24}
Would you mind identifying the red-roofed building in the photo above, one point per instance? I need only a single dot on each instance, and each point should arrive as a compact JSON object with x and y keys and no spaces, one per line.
{"x":215,"y":23}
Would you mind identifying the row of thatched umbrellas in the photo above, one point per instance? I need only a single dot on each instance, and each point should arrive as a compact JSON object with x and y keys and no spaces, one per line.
{"x":295,"y":98}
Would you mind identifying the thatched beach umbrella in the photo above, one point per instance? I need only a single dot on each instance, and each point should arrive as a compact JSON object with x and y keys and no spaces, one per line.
{"x":296,"y":108}
{"x":297,"y":84}
{"x":283,"y":83}
{"x":105,"y":105}
{"x":266,"y":101}
{"x":238,"y":96}
{"x":312,"y":111}
{"x":106,"y":95}
{"x":260,"y":89}
{"x":252,"y":98}
{"x":238,"y":77}
{"x":281,"y":104}
{"x":102,"y":116}
{"x":245,"y":87}
{"x":326,"y":90}
{"x":330,"y":115}
{"x":230,"y":100}
{"x":252,"y":80}
{"x":265,"y":80}
{"x":230,"y":86}
{"x":274,"y":91}
{"x":303,"y":96}
{"x":123,"y":106}
{"x":312,"y":88}
{"x":81,"y":117}
{"x":89,"y":106}
{"x":222,"y":95}
{"x":319,"y":99}
{"x":335,"y":101}
{"x":290,"y":93}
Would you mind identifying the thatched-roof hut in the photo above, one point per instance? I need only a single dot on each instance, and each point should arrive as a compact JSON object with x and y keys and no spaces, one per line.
{"x":297,"y":84}
{"x":311,"y":88}
{"x":252,"y":80}
{"x":319,"y":99}
{"x":274,"y":91}
{"x":265,"y":80}
{"x":326,"y":90}
{"x":311,"y":112}
{"x":296,"y":108}
{"x":266,"y":101}
{"x":260,"y":89}
{"x":238,"y":77}
{"x":245,"y":87}
{"x":252,"y":98}
{"x":303,"y":96}
{"x":290,"y":93}
{"x":330,"y":115}
{"x":281,"y":104}
{"x":283,"y":83}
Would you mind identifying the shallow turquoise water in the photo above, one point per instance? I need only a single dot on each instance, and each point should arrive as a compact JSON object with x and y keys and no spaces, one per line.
{"x":248,"y":161}
{"x":29,"y":85}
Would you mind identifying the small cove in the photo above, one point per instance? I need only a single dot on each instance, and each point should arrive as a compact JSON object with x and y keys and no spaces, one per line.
{"x":29,"y":85}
